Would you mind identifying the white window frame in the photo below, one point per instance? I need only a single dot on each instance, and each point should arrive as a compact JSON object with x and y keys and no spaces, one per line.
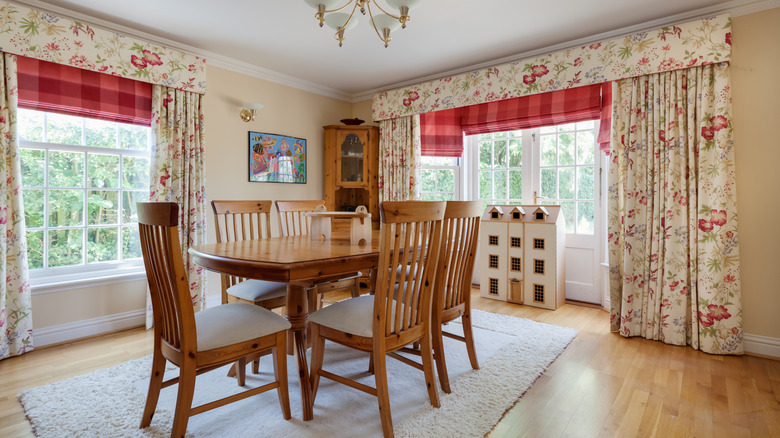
{"x":456,"y":169}
{"x":55,"y":279}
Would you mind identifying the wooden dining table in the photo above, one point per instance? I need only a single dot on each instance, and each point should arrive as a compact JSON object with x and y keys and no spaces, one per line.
{"x":299,"y":261}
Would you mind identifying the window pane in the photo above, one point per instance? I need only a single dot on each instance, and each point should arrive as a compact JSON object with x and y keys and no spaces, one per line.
{"x":585,"y":147}
{"x":445,"y":197}
{"x":567,"y":208}
{"x":103,"y":171}
{"x":485,"y":136}
{"x":65,"y":247}
{"x":566,"y":183}
{"x":499,"y":154}
{"x":35,"y":249}
{"x":102,"y":207}
{"x":33,"y":208}
{"x":547,"y":129}
{"x":588,"y":124}
{"x":30,"y":125}
{"x":66,"y":208}
{"x":445,"y":180}
{"x":515,"y":184}
{"x":129,"y":208}
{"x":135,"y":173}
{"x":428,"y":180}
{"x":429,"y":196}
{"x":584,"y":218}
{"x":548,"y":151}
{"x":549,"y":189}
{"x":33,"y":166}
{"x":499,"y":134}
{"x":485,"y":154}
{"x":102,"y":245}
{"x":485,"y":185}
{"x":134,"y":137}
{"x":499,"y":181}
{"x":63,"y":129}
{"x":566,"y":149}
{"x":131,"y":243}
{"x":585,"y":183}
{"x":100,"y":133}
{"x":515,"y":153}
{"x":66,"y":169}
{"x":566,"y":127}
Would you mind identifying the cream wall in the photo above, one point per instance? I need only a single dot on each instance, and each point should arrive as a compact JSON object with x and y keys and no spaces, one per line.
{"x":756,"y":92}
{"x":756,"y":95}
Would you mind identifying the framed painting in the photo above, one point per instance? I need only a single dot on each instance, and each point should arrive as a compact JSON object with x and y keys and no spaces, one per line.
{"x":277,"y":158}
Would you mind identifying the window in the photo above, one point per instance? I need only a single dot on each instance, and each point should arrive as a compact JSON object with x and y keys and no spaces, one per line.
{"x":493,"y":286}
{"x":81,"y":179}
{"x":516,"y":264}
{"x":499,"y":172}
{"x":538,"y":243}
{"x":538,"y":266}
{"x":516,"y":242}
{"x":440,"y":178}
{"x":538,"y":293}
{"x":493,"y":261}
{"x":493,"y":240}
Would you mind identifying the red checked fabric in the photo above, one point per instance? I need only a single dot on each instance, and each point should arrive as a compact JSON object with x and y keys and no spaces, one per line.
{"x":63,"y":89}
{"x":441,"y":133}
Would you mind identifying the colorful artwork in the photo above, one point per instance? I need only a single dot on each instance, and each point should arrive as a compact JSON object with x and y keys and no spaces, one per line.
{"x":276,"y":158}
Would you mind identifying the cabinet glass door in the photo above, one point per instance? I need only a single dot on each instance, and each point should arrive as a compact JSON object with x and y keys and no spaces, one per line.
{"x":352,"y":160}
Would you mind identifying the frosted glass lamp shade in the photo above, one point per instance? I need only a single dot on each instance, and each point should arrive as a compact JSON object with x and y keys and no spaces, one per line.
{"x":329,"y":4}
{"x":337,"y":19}
{"x":384,"y":21}
{"x":398,"y":3}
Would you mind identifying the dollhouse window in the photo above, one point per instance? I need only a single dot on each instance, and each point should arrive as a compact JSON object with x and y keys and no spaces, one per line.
{"x":494,"y":215}
{"x":493,"y":240}
{"x":538,"y":293}
{"x":493,"y":261}
{"x":516,"y":264}
{"x":538,"y":243}
{"x":539,"y":216}
{"x":516,"y":215}
{"x":493,"y":286}
{"x":516,"y":242}
{"x":538,"y":266}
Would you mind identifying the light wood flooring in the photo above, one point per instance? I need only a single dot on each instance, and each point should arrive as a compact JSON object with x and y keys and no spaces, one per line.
{"x":602,"y":385}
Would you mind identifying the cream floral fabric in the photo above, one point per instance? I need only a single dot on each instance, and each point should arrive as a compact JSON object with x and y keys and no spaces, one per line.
{"x":177,"y":173}
{"x":694,"y":43}
{"x":49,"y":37}
{"x":674,"y":258}
{"x":399,"y":159}
{"x":15,"y":299}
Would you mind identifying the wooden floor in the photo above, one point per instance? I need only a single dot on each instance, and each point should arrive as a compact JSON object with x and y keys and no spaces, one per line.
{"x":602,"y":385}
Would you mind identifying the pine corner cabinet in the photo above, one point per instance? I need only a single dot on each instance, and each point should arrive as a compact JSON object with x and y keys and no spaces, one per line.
{"x":351,"y":165}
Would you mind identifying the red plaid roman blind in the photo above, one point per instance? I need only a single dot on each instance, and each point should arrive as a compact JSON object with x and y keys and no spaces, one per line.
{"x":442,"y":131}
{"x":59,"y":88}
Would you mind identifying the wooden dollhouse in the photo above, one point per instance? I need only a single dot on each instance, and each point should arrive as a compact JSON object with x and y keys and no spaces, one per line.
{"x":521,"y":254}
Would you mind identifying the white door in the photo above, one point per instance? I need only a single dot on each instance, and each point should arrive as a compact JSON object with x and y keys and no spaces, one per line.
{"x":553,"y":165}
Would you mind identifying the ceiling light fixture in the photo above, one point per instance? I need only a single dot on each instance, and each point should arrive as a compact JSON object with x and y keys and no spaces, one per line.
{"x":247,"y":114}
{"x":383,"y":23}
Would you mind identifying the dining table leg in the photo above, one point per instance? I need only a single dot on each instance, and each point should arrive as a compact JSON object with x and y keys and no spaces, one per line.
{"x":297,"y":315}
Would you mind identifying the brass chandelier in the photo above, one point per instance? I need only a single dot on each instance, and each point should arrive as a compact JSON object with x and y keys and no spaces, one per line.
{"x":383,"y":23}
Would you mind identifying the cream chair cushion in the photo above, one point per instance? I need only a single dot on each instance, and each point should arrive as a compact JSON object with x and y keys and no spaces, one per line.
{"x":354,"y":316}
{"x":235,"y":322}
{"x":257,"y":290}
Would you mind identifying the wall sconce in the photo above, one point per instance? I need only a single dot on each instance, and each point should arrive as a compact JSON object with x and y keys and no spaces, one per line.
{"x":247,"y":113}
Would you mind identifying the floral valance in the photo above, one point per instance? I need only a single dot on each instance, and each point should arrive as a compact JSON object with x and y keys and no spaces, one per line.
{"x":42,"y":35}
{"x":699,"y":42}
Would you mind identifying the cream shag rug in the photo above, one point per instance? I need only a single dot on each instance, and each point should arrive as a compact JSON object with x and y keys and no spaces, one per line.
{"x":512,"y":353}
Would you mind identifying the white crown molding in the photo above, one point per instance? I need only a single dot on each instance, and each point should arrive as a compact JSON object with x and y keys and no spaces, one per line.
{"x":735,"y":8}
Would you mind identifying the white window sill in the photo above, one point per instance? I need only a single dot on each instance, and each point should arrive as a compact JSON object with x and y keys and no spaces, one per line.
{"x":49,"y":283}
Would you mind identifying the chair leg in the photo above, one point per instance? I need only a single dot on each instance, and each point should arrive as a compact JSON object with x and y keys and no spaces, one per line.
{"x":426,"y":351}
{"x":468,"y":334}
{"x":356,"y":288}
{"x":241,"y":371}
{"x":317,"y":357}
{"x":438,"y":355}
{"x":383,"y":397}
{"x":155,"y":384}
{"x":280,"y":372}
{"x":256,"y":366}
{"x":184,"y":399}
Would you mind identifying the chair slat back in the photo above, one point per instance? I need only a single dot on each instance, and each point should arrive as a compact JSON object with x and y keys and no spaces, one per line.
{"x":292,"y":222}
{"x":452,"y":287}
{"x":409,"y":236}
{"x":174,"y":317}
{"x":240,"y":220}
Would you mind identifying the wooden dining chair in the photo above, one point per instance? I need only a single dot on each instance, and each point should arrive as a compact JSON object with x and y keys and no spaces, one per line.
{"x":452,"y":288}
{"x":203,"y":341}
{"x":294,"y":222}
{"x":379,"y":324}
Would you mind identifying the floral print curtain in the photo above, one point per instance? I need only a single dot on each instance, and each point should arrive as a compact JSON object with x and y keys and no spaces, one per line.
{"x":15,"y":298}
{"x":399,"y":159}
{"x":177,"y":173}
{"x":674,"y":260}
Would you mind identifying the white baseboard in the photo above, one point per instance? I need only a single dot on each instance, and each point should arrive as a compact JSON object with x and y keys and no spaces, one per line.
{"x":763,"y":345}
{"x":88,"y":327}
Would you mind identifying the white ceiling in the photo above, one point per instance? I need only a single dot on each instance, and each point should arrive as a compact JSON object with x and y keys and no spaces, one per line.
{"x":282,"y":39}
